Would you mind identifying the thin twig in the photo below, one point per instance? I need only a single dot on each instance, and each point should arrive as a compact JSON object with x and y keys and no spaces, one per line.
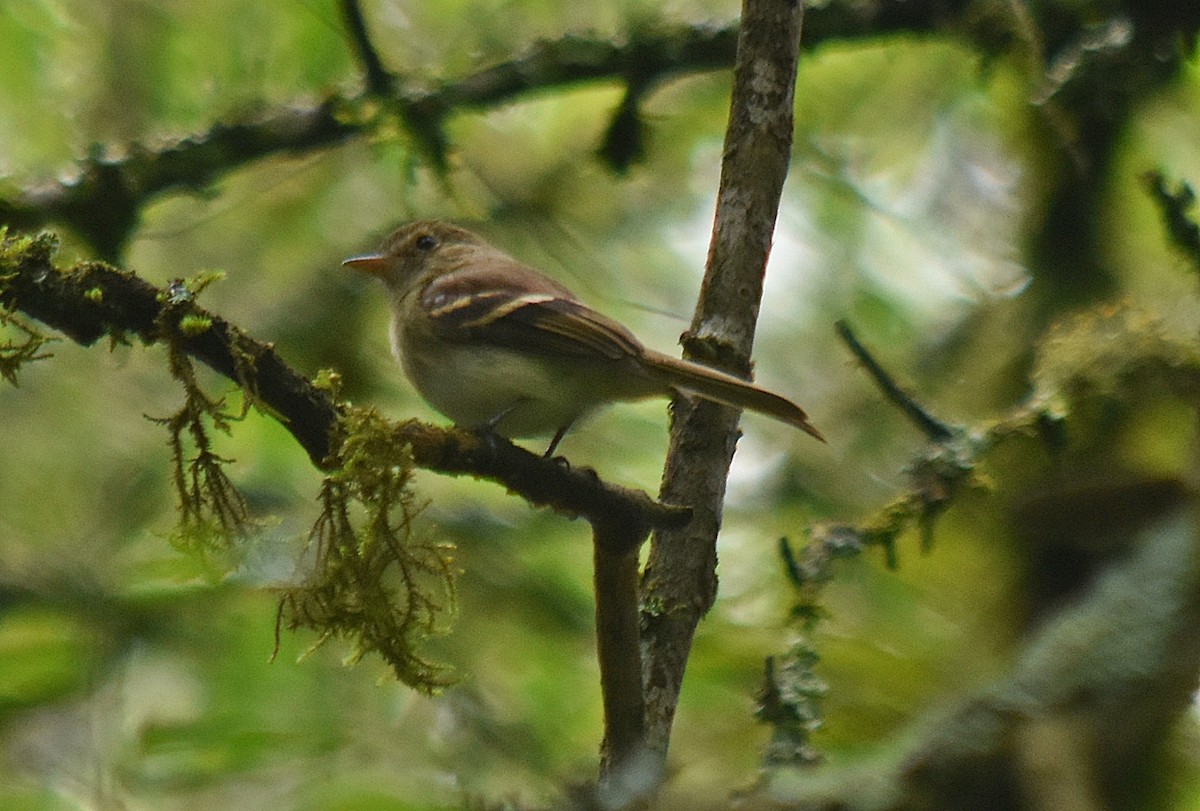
{"x":931,"y":426}
{"x":379,"y":81}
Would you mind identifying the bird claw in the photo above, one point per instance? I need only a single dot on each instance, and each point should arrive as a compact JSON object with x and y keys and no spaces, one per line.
{"x":560,"y":461}
{"x":488,"y":438}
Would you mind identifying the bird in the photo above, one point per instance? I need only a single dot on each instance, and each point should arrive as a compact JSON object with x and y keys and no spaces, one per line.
{"x":494,"y":344}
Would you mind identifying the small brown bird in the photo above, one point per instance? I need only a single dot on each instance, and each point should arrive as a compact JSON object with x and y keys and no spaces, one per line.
{"x":490,"y":342}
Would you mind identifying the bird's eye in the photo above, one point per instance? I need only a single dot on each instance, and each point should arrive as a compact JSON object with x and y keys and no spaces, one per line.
{"x":425,"y":242}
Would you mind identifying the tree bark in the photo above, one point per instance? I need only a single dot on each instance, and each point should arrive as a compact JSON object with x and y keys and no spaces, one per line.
{"x":679,"y":584}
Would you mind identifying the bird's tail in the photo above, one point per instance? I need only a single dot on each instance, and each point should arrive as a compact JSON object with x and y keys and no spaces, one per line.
{"x":711,"y":384}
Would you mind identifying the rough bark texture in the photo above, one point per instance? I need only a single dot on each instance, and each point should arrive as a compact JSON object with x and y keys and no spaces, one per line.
{"x":616,"y":577}
{"x":680,"y":581}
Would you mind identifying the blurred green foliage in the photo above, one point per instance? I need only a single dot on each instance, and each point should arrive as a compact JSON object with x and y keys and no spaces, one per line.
{"x":128,"y":678}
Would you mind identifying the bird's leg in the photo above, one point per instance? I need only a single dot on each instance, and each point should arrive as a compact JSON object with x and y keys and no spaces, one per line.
{"x":558,"y":435}
{"x":487,"y":430}
{"x":491,"y":425}
{"x":495,"y":421}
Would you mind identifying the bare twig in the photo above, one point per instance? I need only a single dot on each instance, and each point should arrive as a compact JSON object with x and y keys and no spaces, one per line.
{"x":619,"y":656}
{"x":931,"y":426}
{"x":379,"y":81}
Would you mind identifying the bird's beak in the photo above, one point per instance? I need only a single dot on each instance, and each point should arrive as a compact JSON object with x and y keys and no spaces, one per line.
{"x":373,"y":264}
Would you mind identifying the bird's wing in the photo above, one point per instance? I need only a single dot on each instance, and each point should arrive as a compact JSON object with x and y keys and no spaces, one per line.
{"x":516,"y":307}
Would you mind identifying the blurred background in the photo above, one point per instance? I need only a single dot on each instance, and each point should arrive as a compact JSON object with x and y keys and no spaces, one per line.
{"x":927,"y":205}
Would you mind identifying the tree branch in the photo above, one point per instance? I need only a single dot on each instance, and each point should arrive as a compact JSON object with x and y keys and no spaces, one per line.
{"x":680,"y":582}
{"x":93,"y":300}
{"x":1084,"y":709}
{"x":616,"y":577}
{"x":379,"y":81}
{"x":103,"y":202}
{"x":934,"y":429}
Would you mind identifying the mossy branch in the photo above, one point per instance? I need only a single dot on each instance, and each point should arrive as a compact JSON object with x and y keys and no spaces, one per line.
{"x":1089,"y":699}
{"x":93,"y":300}
{"x":1111,"y":358}
{"x":104,"y":199}
{"x":1111,"y":352}
{"x":372,"y":580}
{"x":25,"y":346}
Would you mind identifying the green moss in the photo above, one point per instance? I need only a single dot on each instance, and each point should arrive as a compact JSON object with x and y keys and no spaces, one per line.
{"x":374,"y":581}
{"x":193,"y":325}
{"x":197,"y":284}
{"x":20,"y":342}
{"x":213,"y":514}
{"x":330,"y":381}
{"x":26,"y":345}
{"x":15,"y":250}
{"x":1109,"y":352}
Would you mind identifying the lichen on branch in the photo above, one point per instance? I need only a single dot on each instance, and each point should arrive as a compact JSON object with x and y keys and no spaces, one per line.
{"x":370,"y":579}
{"x":1115,"y":353}
{"x":374,"y":579}
{"x":20,"y":343}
